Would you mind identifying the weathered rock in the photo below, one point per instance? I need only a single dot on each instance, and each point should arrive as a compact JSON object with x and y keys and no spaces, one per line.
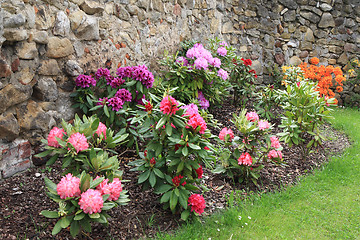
{"x":290,"y":16}
{"x":289,"y":4}
{"x":279,"y":58}
{"x":84,"y":26}
{"x":350,"y":47}
{"x":12,"y":95}
{"x":78,"y":2}
{"x":325,"y":7}
{"x":49,"y":68}
{"x":158,"y":5}
{"x":15,"y":65}
{"x":335,"y":49}
{"x":343,"y":59}
{"x":5,"y":70}
{"x":43,"y":18}
{"x":15,"y":21}
{"x":295,"y":61}
{"x":304,"y":54}
{"x":58,"y":48}
{"x":9,"y":127}
{"x":31,"y":116}
{"x":91,"y":7}
{"x":41,"y":37}
{"x":73,"y":69}
{"x":15,"y":35}
{"x":309,"y":36}
{"x":27,"y":50}
{"x":227,"y":28}
{"x":121,"y":13}
{"x":46,"y":90}
{"x":306,"y":46}
{"x":327,"y":20}
{"x":312,"y":17}
{"x":62,"y":24}
{"x":258,"y":67}
{"x":26,"y":75}
{"x":30,"y":16}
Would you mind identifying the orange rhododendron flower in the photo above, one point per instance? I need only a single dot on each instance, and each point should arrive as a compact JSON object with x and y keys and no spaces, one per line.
{"x":314,"y":61}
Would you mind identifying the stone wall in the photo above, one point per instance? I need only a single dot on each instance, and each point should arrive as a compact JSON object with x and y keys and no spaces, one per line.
{"x":45,"y":44}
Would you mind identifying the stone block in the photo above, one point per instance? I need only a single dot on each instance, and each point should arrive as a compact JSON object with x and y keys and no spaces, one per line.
{"x":12,"y":95}
{"x":58,"y":48}
{"x":49,"y":68}
{"x":15,"y":35}
{"x":91,"y":7}
{"x":5,"y":70}
{"x":46,"y":90}
{"x":9,"y":127}
{"x":27,"y":50}
{"x":62,"y":24}
{"x":327,"y":20}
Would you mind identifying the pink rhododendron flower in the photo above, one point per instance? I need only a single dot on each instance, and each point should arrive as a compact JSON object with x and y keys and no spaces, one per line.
{"x":245,"y":159}
{"x":275,"y":142}
{"x":69,"y":186}
{"x":197,"y":203}
{"x":169,"y":105}
{"x":224,"y":132}
{"x":182,"y":60}
{"x":215,"y":62}
{"x":91,"y":201}
{"x":252,"y":116}
{"x":206,"y":148}
{"x":223,"y":43}
{"x":275,"y":154}
{"x":263,"y":125}
{"x":298,"y":84}
{"x":55,"y":132}
{"x":199,"y":172}
{"x":101,"y":130}
{"x":223,"y":74}
{"x":222,"y":51}
{"x":196,"y":120}
{"x":79,"y":141}
{"x":114,"y":188}
{"x":201,"y":63}
{"x":191,"y":109}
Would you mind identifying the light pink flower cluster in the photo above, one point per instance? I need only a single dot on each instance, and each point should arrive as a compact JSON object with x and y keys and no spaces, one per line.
{"x":114,"y":188}
{"x":223,"y":74}
{"x":169,"y":105}
{"x":69,"y":186}
{"x":215,"y":62}
{"x":203,"y":102}
{"x":275,"y":142}
{"x":201,"y":63}
{"x":252,"y":116}
{"x":222,"y":51}
{"x":245,"y":159}
{"x":263,"y":125}
{"x":190,"y":109}
{"x":79,"y":141}
{"x":275,"y":154}
{"x":91,"y":201}
{"x":197,"y":203}
{"x":101,"y":130}
{"x":55,"y":132}
{"x":224,"y":132}
{"x":183,"y":61}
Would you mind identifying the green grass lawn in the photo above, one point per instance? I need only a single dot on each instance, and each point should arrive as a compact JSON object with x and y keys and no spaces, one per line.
{"x":324,"y":205}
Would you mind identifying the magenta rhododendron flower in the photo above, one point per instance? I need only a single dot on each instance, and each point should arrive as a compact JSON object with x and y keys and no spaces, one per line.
{"x":263,"y":125}
{"x":252,"y":116}
{"x":117,"y":82}
{"x":91,"y":201}
{"x":102,"y":101}
{"x":69,"y":186}
{"x":197,"y":203}
{"x":124,"y":94}
{"x":55,"y":132}
{"x":275,"y":142}
{"x":79,"y":141}
{"x":275,"y":154}
{"x":84,"y":81}
{"x":199,"y":172}
{"x":102,"y":72}
{"x":116,"y":103}
{"x":223,"y":74}
{"x":222,"y":51}
{"x":203,"y":102}
{"x":245,"y":159}
{"x":169,"y":105}
{"x":101,"y":130}
{"x":114,"y":188}
{"x":224,"y":132}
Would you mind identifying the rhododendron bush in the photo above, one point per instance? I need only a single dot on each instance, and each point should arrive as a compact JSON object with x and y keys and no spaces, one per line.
{"x":82,"y":200}
{"x":200,"y":72}
{"x":115,"y":99}
{"x":172,"y":161}
{"x":85,"y":145}
{"x":242,"y":156}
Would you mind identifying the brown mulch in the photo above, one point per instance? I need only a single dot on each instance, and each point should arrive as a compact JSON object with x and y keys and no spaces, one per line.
{"x":23,"y":197}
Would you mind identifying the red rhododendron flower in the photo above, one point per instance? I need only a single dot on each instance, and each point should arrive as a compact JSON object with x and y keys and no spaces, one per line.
{"x":169,"y":105}
{"x":247,"y":62}
{"x":245,"y":159}
{"x":197,"y":203}
{"x":148,"y":107}
{"x":176,"y":180}
{"x":199,"y":172}
{"x":206,"y":148}
{"x":152,"y":161}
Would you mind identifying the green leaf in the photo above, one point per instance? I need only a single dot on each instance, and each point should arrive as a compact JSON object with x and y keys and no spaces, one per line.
{"x":50,"y":185}
{"x":180,"y":167}
{"x":52,"y":160}
{"x":44,"y":154}
{"x":163,"y":188}
{"x":57,"y":228}
{"x":158,"y":172}
{"x":183,"y":199}
{"x":165,"y":197}
{"x":168,"y":129}
{"x":152,"y":179}
{"x":185,"y":215}
{"x":144,"y":176}
{"x":195,"y":147}
{"x":173,"y":200}
{"x":161,"y":122}
{"x":85,"y":224}
{"x":84,"y":182}
{"x":96,"y":182}
{"x":65,"y":221}
{"x":79,"y":216}
{"x":185,"y":151}
{"x":108,"y":206}
{"x":94,"y":215}
{"x":106,"y":111}
{"x":50,"y":214}
{"x":74,"y":228}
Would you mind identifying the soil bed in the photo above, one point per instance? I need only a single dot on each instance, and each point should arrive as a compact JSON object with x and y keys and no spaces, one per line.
{"x":23,"y":197}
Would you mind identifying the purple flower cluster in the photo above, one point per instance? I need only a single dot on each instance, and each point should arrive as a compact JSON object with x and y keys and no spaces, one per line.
{"x":222,"y":51}
{"x":117,"y":82}
{"x":116,"y":103}
{"x":223,"y":74}
{"x":124,"y":94}
{"x":203,"y":102}
{"x":139,"y":73}
{"x":85,"y":81}
{"x":102,"y":101}
{"x":102,"y":72}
